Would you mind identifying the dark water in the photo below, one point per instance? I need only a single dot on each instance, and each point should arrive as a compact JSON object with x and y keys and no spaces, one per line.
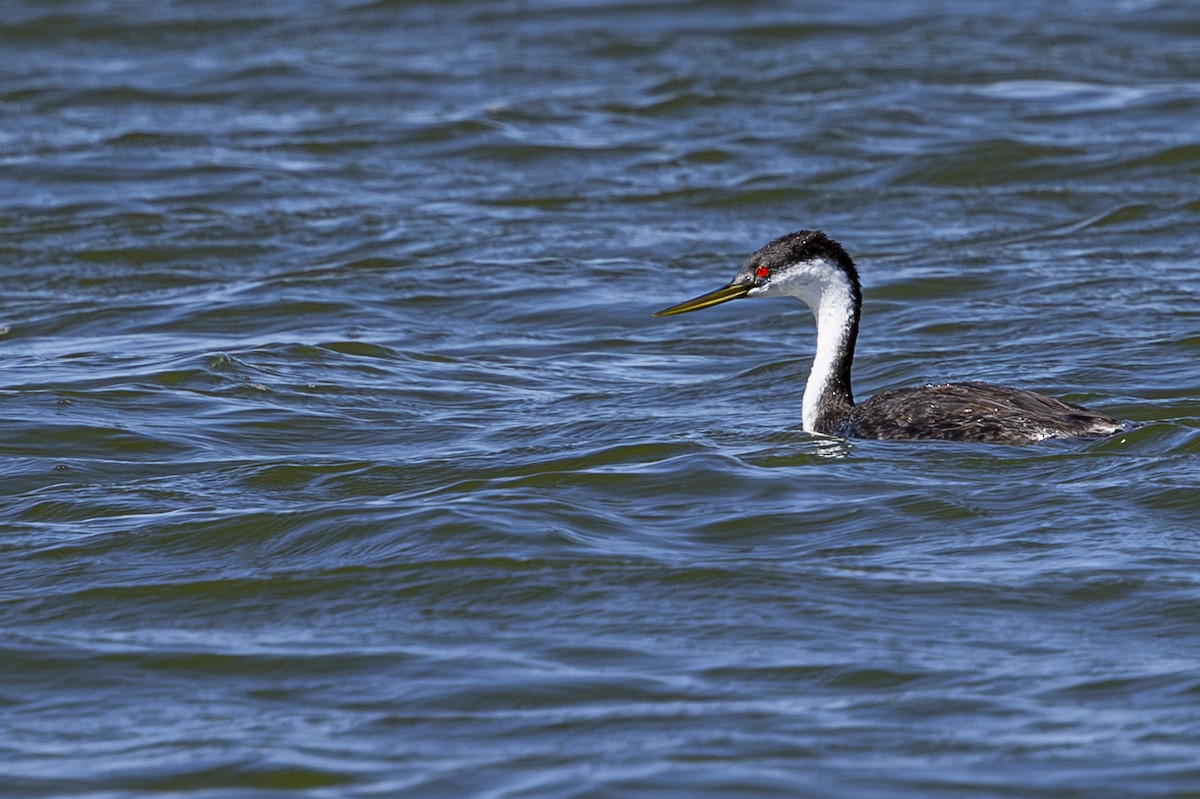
{"x":342,"y":456}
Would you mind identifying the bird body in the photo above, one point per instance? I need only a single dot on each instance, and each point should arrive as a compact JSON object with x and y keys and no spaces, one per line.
{"x":973,"y":412}
{"x":810,"y":266}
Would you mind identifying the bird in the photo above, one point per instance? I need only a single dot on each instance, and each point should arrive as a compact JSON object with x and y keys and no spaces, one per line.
{"x":815,"y":269}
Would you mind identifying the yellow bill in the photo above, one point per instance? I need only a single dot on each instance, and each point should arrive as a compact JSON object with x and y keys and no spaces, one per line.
{"x":724,"y":294}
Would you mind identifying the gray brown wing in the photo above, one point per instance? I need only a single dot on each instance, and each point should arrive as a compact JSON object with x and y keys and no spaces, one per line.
{"x":974,"y":412}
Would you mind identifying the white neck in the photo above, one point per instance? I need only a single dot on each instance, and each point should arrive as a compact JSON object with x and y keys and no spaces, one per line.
{"x":827,"y":290}
{"x":833,"y":314}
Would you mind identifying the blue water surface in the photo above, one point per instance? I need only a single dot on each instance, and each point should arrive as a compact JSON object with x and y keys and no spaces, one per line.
{"x":342,"y":456}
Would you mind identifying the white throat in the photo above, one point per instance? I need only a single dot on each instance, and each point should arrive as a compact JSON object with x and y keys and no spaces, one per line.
{"x":833,"y":316}
{"x":826,"y":290}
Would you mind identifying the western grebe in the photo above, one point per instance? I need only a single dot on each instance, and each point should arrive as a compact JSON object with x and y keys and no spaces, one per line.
{"x":814,"y":268}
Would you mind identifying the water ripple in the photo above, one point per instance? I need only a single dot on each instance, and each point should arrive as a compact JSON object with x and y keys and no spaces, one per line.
{"x":344,"y":456}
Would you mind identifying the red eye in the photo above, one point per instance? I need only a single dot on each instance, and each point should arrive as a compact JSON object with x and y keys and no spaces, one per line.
{"x":762,"y":271}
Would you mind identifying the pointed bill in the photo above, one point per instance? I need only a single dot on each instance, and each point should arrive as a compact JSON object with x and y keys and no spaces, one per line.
{"x":724,"y":294}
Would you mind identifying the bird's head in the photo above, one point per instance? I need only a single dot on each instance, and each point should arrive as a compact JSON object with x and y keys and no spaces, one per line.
{"x":804,"y":264}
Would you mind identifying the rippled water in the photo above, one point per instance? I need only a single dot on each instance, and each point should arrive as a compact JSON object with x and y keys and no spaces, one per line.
{"x":342,"y":456}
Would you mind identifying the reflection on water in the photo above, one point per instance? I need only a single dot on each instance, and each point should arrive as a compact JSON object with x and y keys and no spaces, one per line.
{"x":344,"y":456}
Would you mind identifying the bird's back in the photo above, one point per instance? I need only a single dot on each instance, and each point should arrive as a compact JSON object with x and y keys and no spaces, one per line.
{"x":974,"y":412}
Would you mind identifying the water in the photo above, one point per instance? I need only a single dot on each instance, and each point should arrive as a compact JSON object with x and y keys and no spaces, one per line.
{"x":343,"y":457}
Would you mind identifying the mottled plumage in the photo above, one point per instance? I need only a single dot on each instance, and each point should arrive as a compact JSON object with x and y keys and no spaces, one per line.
{"x":973,"y":412}
{"x":811,"y":267}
